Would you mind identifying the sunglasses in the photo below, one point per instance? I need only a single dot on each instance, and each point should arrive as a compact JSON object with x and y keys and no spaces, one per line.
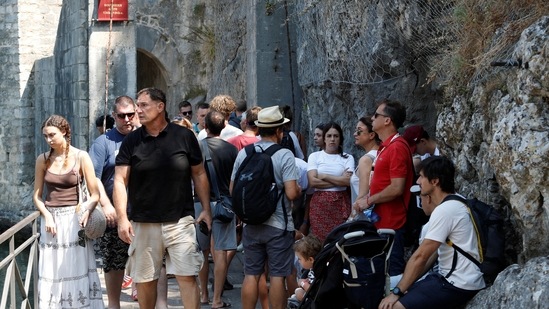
{"x":378,"y":114}
{"x":81,"y":238}
{"x":186,"y":113}
{"x":124,"y":115}
{"x":358,"y":132}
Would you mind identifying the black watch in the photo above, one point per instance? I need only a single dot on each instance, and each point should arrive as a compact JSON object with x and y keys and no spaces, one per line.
{"x":397,"y":292}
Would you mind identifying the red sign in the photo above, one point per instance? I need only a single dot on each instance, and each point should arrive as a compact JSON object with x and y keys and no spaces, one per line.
{"x":112,"y":9}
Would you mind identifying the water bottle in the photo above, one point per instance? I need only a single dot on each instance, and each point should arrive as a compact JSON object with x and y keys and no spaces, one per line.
{"x":371,"y":215}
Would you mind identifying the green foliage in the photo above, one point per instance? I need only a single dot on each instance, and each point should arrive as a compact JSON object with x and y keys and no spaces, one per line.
{"x":199,"y":11}
{"x":270,"y":7}
{"x":485,"y":30}
{"x":196,"y":56}
{"x":204,"y":36}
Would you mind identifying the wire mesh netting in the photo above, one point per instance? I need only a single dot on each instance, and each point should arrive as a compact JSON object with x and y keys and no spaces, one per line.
{"x":367,"y":42}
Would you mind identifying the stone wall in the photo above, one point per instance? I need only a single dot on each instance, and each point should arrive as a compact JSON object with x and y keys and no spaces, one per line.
{"x":27,"y":34}
{"x":352,"y":54}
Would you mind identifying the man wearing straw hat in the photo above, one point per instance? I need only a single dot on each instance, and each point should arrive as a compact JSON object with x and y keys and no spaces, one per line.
{"x":270,"y":243}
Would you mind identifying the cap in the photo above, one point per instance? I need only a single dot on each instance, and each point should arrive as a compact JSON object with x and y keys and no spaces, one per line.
{"x":413,"y":135}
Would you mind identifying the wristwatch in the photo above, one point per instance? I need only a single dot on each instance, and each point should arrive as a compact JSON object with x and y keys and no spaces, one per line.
{"x":397,"y":292}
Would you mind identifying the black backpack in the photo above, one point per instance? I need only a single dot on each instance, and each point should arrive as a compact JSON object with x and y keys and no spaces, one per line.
{"x":255,"y":193}
{"x":488,"y":224}
{"x":287,"y":141}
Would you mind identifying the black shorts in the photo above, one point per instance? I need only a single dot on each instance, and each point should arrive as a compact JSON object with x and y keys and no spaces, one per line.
{"x":113,"y":250}
{"x":435,"y":292}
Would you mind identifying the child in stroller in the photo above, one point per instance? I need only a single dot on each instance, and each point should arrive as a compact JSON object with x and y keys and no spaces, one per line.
{"x":351,"y":269}
{"x":305,"y":250}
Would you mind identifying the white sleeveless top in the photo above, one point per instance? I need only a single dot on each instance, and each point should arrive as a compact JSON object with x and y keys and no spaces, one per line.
{"x":354,"y":178}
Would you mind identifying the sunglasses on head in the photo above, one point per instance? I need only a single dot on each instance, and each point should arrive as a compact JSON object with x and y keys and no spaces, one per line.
{"x":124,"y":115}
{"x":81,"y":238}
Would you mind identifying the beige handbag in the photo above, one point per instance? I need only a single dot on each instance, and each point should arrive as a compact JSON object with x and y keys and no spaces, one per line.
{"x":97,"y":222}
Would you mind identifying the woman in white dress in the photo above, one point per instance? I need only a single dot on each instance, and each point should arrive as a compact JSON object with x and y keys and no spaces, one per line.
{"x":366,"y":138}
{"x":67,"y":273}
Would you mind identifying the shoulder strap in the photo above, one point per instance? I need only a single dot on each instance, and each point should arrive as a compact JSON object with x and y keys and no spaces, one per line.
{"x":81,"y":181}
{"x":455,"y":197}
{"x":271,"y":150}
{"x":211,"y":168}
{"x":79,"y":167}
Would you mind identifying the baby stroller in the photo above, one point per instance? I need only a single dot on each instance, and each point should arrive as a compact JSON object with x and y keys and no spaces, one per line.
{"x":351,"y":269}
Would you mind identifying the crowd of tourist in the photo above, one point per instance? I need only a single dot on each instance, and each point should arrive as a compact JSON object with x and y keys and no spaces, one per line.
{"x":158,"y":179}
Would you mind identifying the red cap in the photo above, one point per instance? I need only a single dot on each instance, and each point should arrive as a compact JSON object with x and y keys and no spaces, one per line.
{"x":413,"y":135}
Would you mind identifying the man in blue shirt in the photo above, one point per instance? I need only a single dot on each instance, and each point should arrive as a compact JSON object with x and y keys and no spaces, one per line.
{"x":103,"y":154}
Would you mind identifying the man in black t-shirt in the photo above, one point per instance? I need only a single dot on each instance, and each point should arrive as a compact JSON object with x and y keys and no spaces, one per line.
{"x":154,"y":169}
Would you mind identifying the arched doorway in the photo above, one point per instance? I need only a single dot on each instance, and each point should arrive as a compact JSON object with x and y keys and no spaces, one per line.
{"x":150,"y":72}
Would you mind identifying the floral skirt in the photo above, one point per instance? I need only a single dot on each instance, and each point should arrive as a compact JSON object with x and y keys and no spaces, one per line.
{"x":67,"y":272}
{"x":327,"y":210}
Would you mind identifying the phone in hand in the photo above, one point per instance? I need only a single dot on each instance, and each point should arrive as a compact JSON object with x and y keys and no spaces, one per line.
{"x":203,"y":227}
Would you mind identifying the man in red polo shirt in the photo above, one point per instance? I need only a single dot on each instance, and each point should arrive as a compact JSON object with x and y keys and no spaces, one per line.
{"x":392,"y":178}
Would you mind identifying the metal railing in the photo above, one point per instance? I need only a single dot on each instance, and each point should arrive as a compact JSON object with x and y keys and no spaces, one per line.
{"x":14,"y":282}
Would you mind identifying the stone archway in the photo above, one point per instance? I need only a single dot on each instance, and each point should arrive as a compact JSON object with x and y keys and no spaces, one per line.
{"x":150,"y":72}
{"x":158,"y":63}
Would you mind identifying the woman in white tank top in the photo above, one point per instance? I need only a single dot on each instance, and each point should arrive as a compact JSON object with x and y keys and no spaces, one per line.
{"x":366,"y":138}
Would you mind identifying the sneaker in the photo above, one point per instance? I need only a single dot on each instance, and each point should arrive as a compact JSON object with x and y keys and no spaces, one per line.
{"x":127,"y":282}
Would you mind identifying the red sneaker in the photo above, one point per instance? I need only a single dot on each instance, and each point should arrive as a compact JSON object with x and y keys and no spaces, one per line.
{"x":127,"y":282}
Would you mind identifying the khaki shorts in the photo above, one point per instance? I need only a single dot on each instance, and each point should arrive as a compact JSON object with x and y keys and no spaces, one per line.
{"x":152,"y":240}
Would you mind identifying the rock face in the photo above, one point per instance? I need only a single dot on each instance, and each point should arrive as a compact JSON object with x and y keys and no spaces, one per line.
{"x":519,"y":286}
{"x":499,"y":139}
{"x":352,"y":54}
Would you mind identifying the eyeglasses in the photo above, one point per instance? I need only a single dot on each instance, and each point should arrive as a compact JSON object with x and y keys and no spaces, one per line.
{"x":124,"y":115}
{"x":81,"y":238}
{"x":378,"y":114}
{"x":187,"y":113}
